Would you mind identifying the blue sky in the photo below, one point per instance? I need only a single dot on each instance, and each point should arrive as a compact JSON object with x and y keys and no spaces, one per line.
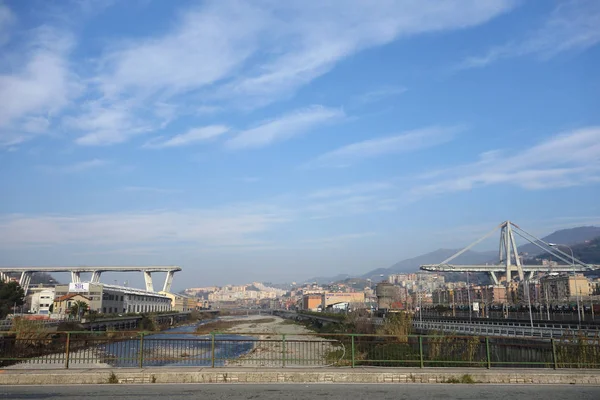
{"x":272,"y":140}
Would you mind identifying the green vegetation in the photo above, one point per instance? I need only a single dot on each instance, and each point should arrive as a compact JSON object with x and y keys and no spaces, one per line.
{"x":468,"y":379}
{"x":578,"y":351}
{"x":11,"y":295}
{"x":112,"y":378}
{"x":79,"y":308}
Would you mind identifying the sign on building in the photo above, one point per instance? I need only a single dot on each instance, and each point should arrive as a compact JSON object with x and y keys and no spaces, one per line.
{"x":79,"y":287}
{"x":475,"y":306}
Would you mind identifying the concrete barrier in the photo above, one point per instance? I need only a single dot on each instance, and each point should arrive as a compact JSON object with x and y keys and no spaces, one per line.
{"x":325,"y":375}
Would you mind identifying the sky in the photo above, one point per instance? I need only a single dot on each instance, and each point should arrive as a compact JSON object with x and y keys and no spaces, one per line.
{"x":281,"y":140}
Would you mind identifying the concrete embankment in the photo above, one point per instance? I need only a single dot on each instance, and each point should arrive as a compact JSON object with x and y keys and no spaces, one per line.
{"x":297,"y":375}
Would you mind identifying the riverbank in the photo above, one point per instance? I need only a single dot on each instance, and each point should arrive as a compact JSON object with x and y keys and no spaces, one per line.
{"x":301,"y":347}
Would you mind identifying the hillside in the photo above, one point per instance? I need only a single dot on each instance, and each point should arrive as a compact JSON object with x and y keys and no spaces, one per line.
{"x":588,"y":252}
{"x":413,"y":264}
{"x":569,"y":237}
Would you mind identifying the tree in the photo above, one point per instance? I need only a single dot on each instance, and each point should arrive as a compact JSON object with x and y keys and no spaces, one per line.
{"x":78,"y":308}
{"x":11,"y":295}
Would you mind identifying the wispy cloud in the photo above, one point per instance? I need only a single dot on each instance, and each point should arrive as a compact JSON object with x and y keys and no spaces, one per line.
{"x":285,"y":127}
{"x":220,"y":54}
{"x":568,"y":159}
{"x":348,"y":190}
{"x":192,"y":136}
{"x":204,"y":227}
{"x":7,"y":20}
{"x":377,"y":95}
{"x":76,"y":167}
{"x":572,"y":26}
{"x":42,"y":87}
{"x":150,"y":189}
{"x":402,"y":143}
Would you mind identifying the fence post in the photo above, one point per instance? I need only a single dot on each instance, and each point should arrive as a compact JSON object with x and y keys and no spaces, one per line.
{"x":421,"y":350}
{"x":283,"y":350}
{"x":141,"y":351}
{"x":67,"y":345}
{"x":554,"y":360}
{"x":212,"y":349}
{"x":352,"y":337}
{"x":487,"y":351}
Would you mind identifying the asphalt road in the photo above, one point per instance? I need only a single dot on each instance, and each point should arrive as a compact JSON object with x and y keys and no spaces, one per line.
{"x":301,"y":392}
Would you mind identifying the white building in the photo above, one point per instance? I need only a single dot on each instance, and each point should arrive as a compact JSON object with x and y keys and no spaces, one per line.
{"x":41,"y":301}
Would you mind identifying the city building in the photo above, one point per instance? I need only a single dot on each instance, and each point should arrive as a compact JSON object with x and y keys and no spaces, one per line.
{"x":565,"y":287}
{"x":180,"y":303}
{"x":312,"y":302}
{"x":108,"y":299}
{"x":62,"y":304}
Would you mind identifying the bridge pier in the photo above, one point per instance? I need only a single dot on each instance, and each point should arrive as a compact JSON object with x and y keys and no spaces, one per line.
{"x":168,"y":281}
{"x":25,"y":280}
{"x":96,"y":276}
{"x":149,"y":283}
{"x":75,"y":276}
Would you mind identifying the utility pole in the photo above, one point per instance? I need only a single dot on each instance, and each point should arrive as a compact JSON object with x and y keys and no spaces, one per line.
{"x":469,"y":296}
{"x":547,"y":303}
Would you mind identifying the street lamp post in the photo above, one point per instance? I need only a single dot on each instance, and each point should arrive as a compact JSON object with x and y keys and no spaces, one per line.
{"x":574,"y":276}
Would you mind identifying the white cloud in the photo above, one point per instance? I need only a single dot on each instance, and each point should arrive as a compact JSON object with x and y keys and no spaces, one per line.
{"x":205,"y":45}
{"x":102,"y":125}
{"x":378,"y":94}
{"x":284,"y":128}
{"x":77,"y":167}
{"x":217,"y":55}
{"x":312,"y":37}
{"x":568,"y":159}
{"x":215,"y":227}
{"x":573,"y":25}
{"x":355,"y":189}
{"x":7,"y":20}
{"x":149,"y":189}
{"x":42,"y":88}
{"x":192,"y":136}
{"x":402,"y":143}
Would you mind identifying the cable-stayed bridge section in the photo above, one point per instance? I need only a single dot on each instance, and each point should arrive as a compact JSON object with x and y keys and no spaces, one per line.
{"x":510,"y":262}
{"x":25,"y":273}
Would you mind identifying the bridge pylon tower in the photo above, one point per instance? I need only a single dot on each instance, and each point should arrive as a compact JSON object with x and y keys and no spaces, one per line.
{"x":509,"y":260}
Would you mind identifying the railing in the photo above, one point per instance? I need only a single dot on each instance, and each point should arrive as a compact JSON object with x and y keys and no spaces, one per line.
{"x":545,"y":330}
{"x":121,"y":349}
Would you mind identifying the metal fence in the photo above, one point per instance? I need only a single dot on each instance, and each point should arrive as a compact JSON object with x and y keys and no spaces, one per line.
{"x":134,"y":349}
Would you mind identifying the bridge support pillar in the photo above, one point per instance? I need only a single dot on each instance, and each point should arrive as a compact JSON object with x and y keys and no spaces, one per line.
{"x":494,"y":277}
{"x":25,"y":280}
{"x":75,"y":276}
{"x":148,"y":279}
{"x":96,"y":276}
{"x":168,"y":281}
{"x":530,"y":275}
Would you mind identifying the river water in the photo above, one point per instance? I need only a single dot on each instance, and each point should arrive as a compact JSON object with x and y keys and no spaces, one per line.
{"x":176,"y":347}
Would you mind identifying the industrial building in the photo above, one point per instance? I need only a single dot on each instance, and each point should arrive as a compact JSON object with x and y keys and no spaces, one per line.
{"x":108,"y":299}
